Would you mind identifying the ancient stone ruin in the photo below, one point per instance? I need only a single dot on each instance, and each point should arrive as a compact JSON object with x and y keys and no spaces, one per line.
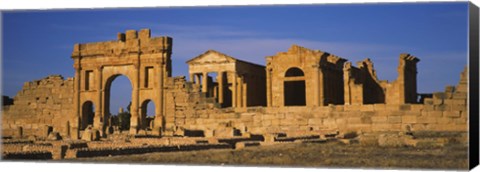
{"x":300,"y":94}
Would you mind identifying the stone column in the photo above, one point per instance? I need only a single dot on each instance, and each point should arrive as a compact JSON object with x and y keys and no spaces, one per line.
{"x":197,"y":80}
{"x":191,"y":75}
{"x":234,"y":89}
{"x":98,"y":122}
{"x":244,"y":91}
{"x":316,"y":95}
{"x":269,"y":88}
{"x":135,"y":96}
{"x":158,"y":123}
{"x":220,"y":86}
{"x":239,"y":91}
{"x":204,"y":82}
{"x":76,"y":103}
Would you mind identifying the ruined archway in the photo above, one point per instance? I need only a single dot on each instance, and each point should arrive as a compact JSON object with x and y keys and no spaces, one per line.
{"x":88,"y":114}
{"x":147,"y":113}
{"x":294,"y":87}
{"x":118,"y":95}
{"x":146,"y":61}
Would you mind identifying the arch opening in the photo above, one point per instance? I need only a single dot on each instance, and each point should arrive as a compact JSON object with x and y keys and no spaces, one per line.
{"x":148,"y":114}
{"x":88,"y":114}
{"x":117,"y":102}
{"x":294,"y":71}
{"x":294,"y":88}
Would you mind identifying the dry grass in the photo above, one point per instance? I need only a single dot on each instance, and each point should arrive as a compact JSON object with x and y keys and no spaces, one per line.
{"x":330,"y":154}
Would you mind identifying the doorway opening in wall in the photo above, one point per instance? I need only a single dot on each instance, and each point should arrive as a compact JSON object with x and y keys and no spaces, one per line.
{"x":212,"y":85}
{"x":118,"y":99}
{"x":88,"y":113}
{"x":211,"y":89}
{"x":294,"y":87}
{"x":147,"y":114}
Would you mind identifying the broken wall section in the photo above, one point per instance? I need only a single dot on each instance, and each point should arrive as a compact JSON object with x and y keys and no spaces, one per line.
{"x":42,"y":106}
{"x":404,"y":89}
{"x":184,"y":101}
{"x":361,"y":84}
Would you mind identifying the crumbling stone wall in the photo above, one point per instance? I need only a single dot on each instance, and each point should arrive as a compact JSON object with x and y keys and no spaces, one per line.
{"x":361,"y":84}
{"x":183,"y":99}
{"x":404,"y":88}
{"x":41,"y":103}
{"x":446,"y":111}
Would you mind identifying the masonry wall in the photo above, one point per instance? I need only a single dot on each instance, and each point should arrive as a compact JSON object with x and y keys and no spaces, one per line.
{"x":367,"y":118}
{"x":41,"y":103}
{"x":446,"y":111}
{"x":183,"y":100}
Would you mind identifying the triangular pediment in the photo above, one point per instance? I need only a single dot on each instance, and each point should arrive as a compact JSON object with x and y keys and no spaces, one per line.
{"x":211,"y":56}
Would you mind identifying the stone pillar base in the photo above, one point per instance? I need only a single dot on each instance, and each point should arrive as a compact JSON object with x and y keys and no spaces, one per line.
{"x":157,"y":131}
{"x":74,"y":134}
{"x":133,"y":130}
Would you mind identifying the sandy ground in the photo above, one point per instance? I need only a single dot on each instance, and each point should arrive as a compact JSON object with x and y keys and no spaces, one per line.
{"x":331,"y":154}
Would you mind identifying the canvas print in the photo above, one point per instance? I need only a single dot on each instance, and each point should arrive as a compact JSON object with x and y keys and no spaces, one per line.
{"x":321,"y":86}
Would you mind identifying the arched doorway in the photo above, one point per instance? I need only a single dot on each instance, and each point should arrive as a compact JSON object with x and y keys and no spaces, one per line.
{"x":88,"y":113}
{"x":147,"y":113}
{"x":147,"y":69}
{"x":118,"y":98}
{"x":294,"y":87}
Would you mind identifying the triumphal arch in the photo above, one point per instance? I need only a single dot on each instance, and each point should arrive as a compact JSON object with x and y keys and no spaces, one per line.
{"x":145,"y":61}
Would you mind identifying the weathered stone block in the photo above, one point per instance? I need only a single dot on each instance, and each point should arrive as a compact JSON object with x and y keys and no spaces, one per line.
{"x":394,"y":119}
{"x":315,"y":121}
{"x":435,"y":114}
{"x":386,"y":127}
{"x":444,"y":120}
{"x":352,"y":107}
{"x":367,"y":108}
{"x":408,"y":119}
{"x":416,"y":107}
{"x":354,"y":120}
{"x":453,"y":114}
{"x":419,"y":127}
{"x":405,"y":107}
{"x":224,"y":132}
{"x":379,"y":119}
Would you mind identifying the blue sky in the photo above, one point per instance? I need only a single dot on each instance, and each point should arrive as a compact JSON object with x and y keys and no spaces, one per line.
{"x":39,"y":43}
